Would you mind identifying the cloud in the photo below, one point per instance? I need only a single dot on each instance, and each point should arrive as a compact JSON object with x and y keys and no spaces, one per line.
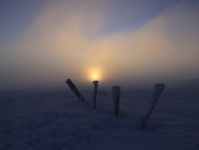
{"x":64,"y":42}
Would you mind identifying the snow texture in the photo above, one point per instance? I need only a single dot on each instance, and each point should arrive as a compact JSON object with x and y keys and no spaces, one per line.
{"x":56,"y":120}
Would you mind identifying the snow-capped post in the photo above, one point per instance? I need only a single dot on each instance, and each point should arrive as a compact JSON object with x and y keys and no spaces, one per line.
{"x":158,"y":89}
{"x":95,"y":92}
{"x":116,"y":99}
{"x":74,"y":89}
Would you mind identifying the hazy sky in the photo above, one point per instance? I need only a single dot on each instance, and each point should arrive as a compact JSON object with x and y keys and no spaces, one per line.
{"x":42,"y":43}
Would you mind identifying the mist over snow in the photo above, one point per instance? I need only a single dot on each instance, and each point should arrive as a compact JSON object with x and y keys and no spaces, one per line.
{"x":56,"y":120}
{"x":128,"y":42}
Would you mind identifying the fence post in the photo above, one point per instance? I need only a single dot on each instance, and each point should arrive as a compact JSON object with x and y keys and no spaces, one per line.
{"x":95,"y":92}
{"x":116,"y":99}
{"x":74,"y":89}
{"x":158,"y":89}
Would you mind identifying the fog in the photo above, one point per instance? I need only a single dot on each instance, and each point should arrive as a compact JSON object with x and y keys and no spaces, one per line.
{"x":67,"y":40}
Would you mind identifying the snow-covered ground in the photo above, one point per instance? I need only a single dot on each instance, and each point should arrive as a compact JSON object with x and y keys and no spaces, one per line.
{"x":56,"y":120}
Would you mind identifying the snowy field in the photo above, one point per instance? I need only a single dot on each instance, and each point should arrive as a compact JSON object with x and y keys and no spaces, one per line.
{"x":55,"y":120}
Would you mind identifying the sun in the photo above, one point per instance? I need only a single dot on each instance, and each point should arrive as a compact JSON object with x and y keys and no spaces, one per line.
{"x":94,"y":73}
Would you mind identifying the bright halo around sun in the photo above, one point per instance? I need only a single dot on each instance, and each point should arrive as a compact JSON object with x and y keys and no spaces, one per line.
{"x":94,"y":74}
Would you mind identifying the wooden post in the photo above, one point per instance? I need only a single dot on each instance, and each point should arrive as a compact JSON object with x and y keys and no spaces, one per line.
{"x":158,"y":89}
{"x":116,"y":99}
{"x":74,"y":89}
{"x":95,"y":92}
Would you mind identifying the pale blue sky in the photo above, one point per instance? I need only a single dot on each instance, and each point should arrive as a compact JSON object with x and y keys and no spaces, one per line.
{"x":42,"y":43}
{"x":17,"y":16}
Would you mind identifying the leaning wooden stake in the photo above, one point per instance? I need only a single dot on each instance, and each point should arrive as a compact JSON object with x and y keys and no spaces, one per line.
{"x":156,"y":95}
{"x":116,"y":99}
{"x":95,"y":92}
{"x":74,"y":89}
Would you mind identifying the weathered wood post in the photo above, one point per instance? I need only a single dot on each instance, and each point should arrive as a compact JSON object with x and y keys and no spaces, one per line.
{"x":95,"y":92}
{"x":116,"y":99}
{"x":158,"y":89}
{"x":74,"y":89}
